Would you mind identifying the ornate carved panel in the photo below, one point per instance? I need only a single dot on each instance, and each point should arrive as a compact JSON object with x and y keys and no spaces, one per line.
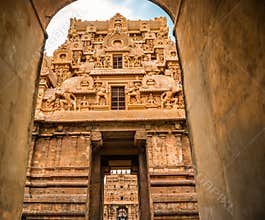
{"x":78,"y":75}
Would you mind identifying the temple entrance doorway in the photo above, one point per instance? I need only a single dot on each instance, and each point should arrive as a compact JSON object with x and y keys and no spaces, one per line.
{"x":119,"y":183}
{"x":121,"y":187}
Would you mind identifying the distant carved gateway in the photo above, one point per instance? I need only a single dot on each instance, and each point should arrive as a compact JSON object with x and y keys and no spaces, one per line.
{"x":110,"y":138}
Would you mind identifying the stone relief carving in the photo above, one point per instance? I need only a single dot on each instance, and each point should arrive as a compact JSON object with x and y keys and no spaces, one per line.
{"x":103,"y":62}
{"x":67,"y":100}
{"x":150,"y":82}
{"x":152,"y":102}
{"x":51,"y":104}
{"x":149,"y":45}
{"x":86,"y":83}
{"x":134,"y":93}
{"x":148,"y":60}
{"x":168,"y":99}
{"x":76,"y":84}
{"x":77,"y":57}
{"x":84,"y":104}
{"x":167,"y":146}
{"x":101,"y":98}
{"x":62,"y":72}
{"x":180,"y":102}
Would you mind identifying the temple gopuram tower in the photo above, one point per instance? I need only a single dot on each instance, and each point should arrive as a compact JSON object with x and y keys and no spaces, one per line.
{"x":110,"y":138}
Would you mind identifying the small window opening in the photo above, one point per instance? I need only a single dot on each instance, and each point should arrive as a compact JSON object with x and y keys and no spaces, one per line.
{"x":117,"y":61}
{"x":117,"y":98}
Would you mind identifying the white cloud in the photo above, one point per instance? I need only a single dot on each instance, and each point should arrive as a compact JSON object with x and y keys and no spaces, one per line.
{"x":85,"y":10}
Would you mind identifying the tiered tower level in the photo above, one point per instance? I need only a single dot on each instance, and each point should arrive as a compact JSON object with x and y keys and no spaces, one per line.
{"x":121,"y":197}
{"x":110,"y":98}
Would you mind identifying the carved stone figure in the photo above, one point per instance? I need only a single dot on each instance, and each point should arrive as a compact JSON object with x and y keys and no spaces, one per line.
{"x":134,"y":93}
{"x":49,"y":104}
{"x":57,"y":105}
{"x":59,"y":73}
{"x":67,"y":100}
{"x":84,"y":104}
{"x":161,"y":58}
{"x":151,"y":100}
{"x":149,"y":46}
{"x":76,"y":57}
{"x":99,"y":62}
{"x":180,"y":102}
{"x":101,"y":95}
{"x":107,"y":62}
{"x":167,"y":98}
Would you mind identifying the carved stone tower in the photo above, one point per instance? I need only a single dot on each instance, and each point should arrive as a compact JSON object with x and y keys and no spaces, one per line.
{"x":110,"y":139}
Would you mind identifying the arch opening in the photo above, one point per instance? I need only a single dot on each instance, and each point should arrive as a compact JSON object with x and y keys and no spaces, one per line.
{"x":84,"y":77}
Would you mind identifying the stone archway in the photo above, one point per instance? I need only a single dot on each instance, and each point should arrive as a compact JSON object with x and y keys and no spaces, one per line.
{"x":219,"y":45}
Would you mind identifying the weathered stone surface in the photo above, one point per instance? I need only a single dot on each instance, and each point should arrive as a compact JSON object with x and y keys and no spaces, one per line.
{"x":224,"y":85}
{"x":17,"y":87}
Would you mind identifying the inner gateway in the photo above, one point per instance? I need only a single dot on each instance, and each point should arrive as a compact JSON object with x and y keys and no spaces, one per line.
{"x":121,"y":174}
{"x":121,"y":193}
{"x":110,"y":138}
{"x":119,"y":168}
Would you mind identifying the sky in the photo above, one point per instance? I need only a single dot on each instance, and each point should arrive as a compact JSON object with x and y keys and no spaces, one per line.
{"x":99,"y":10}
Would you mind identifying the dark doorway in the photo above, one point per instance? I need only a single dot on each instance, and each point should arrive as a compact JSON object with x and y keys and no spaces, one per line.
{"x":122,"y":213}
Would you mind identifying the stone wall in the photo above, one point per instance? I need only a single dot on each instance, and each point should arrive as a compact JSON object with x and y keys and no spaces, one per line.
{"x":222,"y":52}
{"x":60,"y":169}
{"x":21,"y":41}
{"x":171,"y":173}
{"x":58,"y":177}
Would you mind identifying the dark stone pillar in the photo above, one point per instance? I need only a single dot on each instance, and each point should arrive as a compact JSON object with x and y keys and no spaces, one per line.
{"x":143,"y":183}
{"x":96,"y":183}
